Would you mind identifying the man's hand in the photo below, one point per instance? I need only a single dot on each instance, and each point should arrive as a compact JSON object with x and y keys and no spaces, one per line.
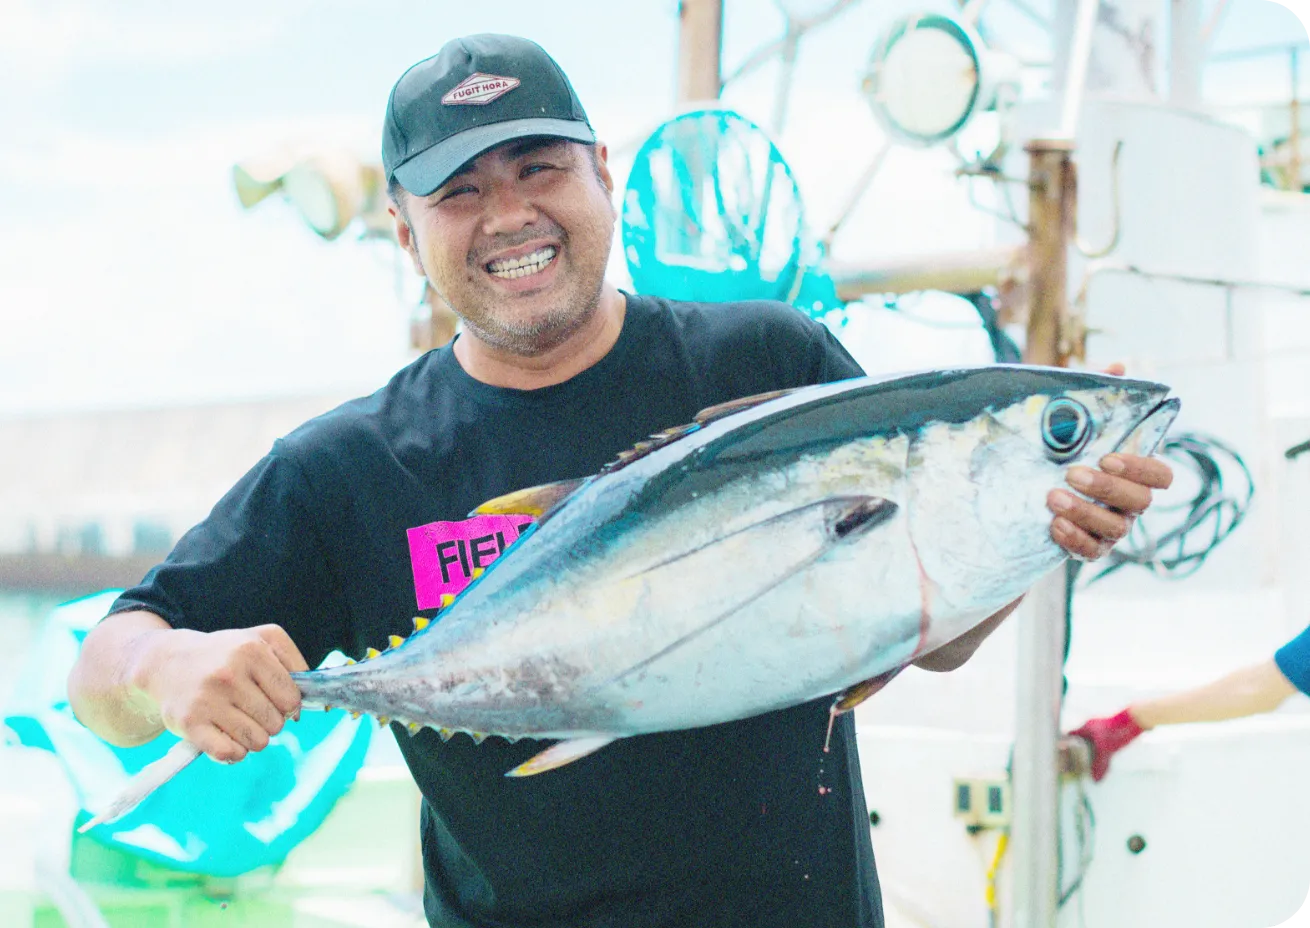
{"x":226,"y":692}
{"x":1122,"y":487}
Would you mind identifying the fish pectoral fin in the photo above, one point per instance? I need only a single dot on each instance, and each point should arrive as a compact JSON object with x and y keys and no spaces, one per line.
{"x":533,"y":501}
{"x":817,"y":528}
{"x":558,"y":755}
{"x":843,"y":519}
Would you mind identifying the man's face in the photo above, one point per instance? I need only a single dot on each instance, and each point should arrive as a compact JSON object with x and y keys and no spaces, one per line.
{"x":517,"y":242}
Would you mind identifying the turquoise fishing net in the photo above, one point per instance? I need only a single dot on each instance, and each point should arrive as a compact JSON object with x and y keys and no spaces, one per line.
{"x":211,"y":818}
{"x":712,"y":212}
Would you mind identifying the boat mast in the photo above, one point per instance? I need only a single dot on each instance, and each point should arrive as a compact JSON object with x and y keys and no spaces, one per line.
{"x":700,"y":43}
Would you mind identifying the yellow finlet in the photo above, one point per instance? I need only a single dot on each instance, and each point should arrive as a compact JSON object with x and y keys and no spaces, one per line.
{"x":355,"y":713}
{"x":413,"y":727}
{"x":350,"y":660}
{"x":445,"y":733}
{"x":478,"y":737}
{"x":447,"y":599}
{"x":421,"y":623}
{"x":372,"y":653}
{"x":478,"y":571}
{"x":534,"y":501}
{"x":395,"y":641}
{"x":383,"y":720}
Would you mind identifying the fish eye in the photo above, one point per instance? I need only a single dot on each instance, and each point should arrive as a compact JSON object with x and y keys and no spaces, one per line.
{"x":1066,"y":427}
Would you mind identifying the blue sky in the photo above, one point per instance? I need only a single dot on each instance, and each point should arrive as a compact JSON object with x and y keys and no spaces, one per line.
{"x":130,"y":276}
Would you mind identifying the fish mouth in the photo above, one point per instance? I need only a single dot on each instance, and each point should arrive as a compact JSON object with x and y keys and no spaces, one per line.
{"x":1145,"y":437}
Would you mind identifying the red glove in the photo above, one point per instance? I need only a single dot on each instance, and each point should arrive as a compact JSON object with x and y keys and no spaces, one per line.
{"x":1106,"y":736}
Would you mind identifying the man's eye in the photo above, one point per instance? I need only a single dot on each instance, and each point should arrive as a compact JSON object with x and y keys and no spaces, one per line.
{"x":458,"y":191}
{"x":535,"y":169}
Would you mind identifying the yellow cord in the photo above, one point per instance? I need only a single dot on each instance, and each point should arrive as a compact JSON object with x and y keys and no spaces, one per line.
{"x":1001,"y":844}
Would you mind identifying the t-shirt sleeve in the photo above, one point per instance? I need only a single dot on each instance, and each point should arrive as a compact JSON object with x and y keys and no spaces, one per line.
{"x":256,"y":559}
{"x":828,"y":358}
{"x":1293,"y":659}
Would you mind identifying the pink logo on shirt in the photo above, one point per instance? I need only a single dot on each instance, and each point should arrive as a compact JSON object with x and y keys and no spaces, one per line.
{"x":444,"y":555}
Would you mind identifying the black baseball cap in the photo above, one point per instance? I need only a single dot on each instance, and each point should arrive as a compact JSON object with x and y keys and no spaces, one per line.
{"x":474,"y":94}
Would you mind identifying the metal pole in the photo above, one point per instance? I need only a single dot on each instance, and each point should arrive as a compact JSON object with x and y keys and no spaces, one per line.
{"x":1080,"y":55}
{"x":1034,"y":832}
{"x":1186,"y":44}
{"x":1035,"y":827}
{"x":786,"y":74}
{"x":700,"y":42}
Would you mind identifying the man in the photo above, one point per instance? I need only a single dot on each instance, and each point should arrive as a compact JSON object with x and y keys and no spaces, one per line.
{"x":502,"y":198}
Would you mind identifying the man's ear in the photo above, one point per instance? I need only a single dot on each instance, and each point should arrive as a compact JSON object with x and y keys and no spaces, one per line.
{"x":405,"y":238}
{"x":602,"y":166}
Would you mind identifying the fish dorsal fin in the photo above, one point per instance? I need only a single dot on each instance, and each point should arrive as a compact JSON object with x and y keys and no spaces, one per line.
{"x":704,"y":417}
{"x":715,"y":413}
{"x":534,"y":501}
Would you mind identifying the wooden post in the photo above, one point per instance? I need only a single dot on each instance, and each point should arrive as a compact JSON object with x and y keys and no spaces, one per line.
{"x":700,"y":41}
{"x":1052,"y":192}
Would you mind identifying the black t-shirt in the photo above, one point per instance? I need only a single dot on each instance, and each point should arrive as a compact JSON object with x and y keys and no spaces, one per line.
{"x":747,"y":823}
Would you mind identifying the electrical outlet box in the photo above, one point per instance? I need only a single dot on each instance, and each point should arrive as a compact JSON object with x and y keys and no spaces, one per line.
{"x":983,"y":802}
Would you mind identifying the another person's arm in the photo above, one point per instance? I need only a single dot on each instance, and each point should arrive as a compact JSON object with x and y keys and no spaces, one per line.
{"x":1252,"y":690}
{"x":1249,"y":691}
{"x":226,"y":692}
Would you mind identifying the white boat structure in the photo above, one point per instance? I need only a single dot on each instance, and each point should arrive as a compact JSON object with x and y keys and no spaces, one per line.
{"x":1169,"y":254}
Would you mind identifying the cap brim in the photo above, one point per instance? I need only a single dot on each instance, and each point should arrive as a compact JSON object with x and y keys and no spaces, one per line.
{"x":428,"y":170}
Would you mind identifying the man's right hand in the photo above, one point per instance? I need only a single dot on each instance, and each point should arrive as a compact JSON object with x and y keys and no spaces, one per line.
{"x":226,"y":692}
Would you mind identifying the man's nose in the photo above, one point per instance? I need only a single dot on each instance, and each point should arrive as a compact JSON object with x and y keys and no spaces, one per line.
{"x":506,"y":210}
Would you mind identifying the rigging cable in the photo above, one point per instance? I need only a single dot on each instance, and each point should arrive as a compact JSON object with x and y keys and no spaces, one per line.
{"x":1210,"y":516}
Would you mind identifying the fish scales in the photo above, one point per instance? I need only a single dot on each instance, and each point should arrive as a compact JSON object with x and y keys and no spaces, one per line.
{"x":782,"y":551}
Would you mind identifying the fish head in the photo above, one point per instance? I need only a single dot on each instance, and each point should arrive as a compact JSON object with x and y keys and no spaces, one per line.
{"x":979,"y":483}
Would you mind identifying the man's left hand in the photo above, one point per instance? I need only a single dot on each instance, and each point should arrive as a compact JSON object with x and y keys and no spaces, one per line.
{"x":1123,"y":484}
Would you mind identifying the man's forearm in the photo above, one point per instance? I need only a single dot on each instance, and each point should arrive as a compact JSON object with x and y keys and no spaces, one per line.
{"x":101,"y":689}
{"x":954,"y":653}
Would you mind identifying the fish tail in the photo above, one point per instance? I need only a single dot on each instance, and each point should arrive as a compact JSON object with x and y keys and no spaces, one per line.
{"x":326,"y":689}
{"x":150,"y":778}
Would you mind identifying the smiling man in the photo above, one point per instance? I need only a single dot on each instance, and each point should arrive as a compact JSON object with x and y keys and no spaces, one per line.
{"x":358,"y":520}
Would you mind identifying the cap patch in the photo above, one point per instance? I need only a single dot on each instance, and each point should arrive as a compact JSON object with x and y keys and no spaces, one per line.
{"x":479,"y":89}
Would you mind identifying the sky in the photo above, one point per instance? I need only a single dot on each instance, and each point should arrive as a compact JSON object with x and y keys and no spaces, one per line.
{"x":130,"y":275}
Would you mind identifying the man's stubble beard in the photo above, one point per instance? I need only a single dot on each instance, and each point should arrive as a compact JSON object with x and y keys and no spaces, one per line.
{"x":546,"y":331}
{"x":534,"y":337}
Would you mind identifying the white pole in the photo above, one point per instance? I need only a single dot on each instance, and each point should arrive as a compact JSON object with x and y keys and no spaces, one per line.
{"x":1186,"y":44}
{"x":1035,"y":827}
{"x":1080,"y":54}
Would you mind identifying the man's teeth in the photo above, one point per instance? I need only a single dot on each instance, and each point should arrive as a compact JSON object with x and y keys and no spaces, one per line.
{"x":509,"y":268}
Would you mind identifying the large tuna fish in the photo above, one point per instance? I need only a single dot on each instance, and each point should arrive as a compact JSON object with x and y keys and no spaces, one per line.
{"x":777,"y":550}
